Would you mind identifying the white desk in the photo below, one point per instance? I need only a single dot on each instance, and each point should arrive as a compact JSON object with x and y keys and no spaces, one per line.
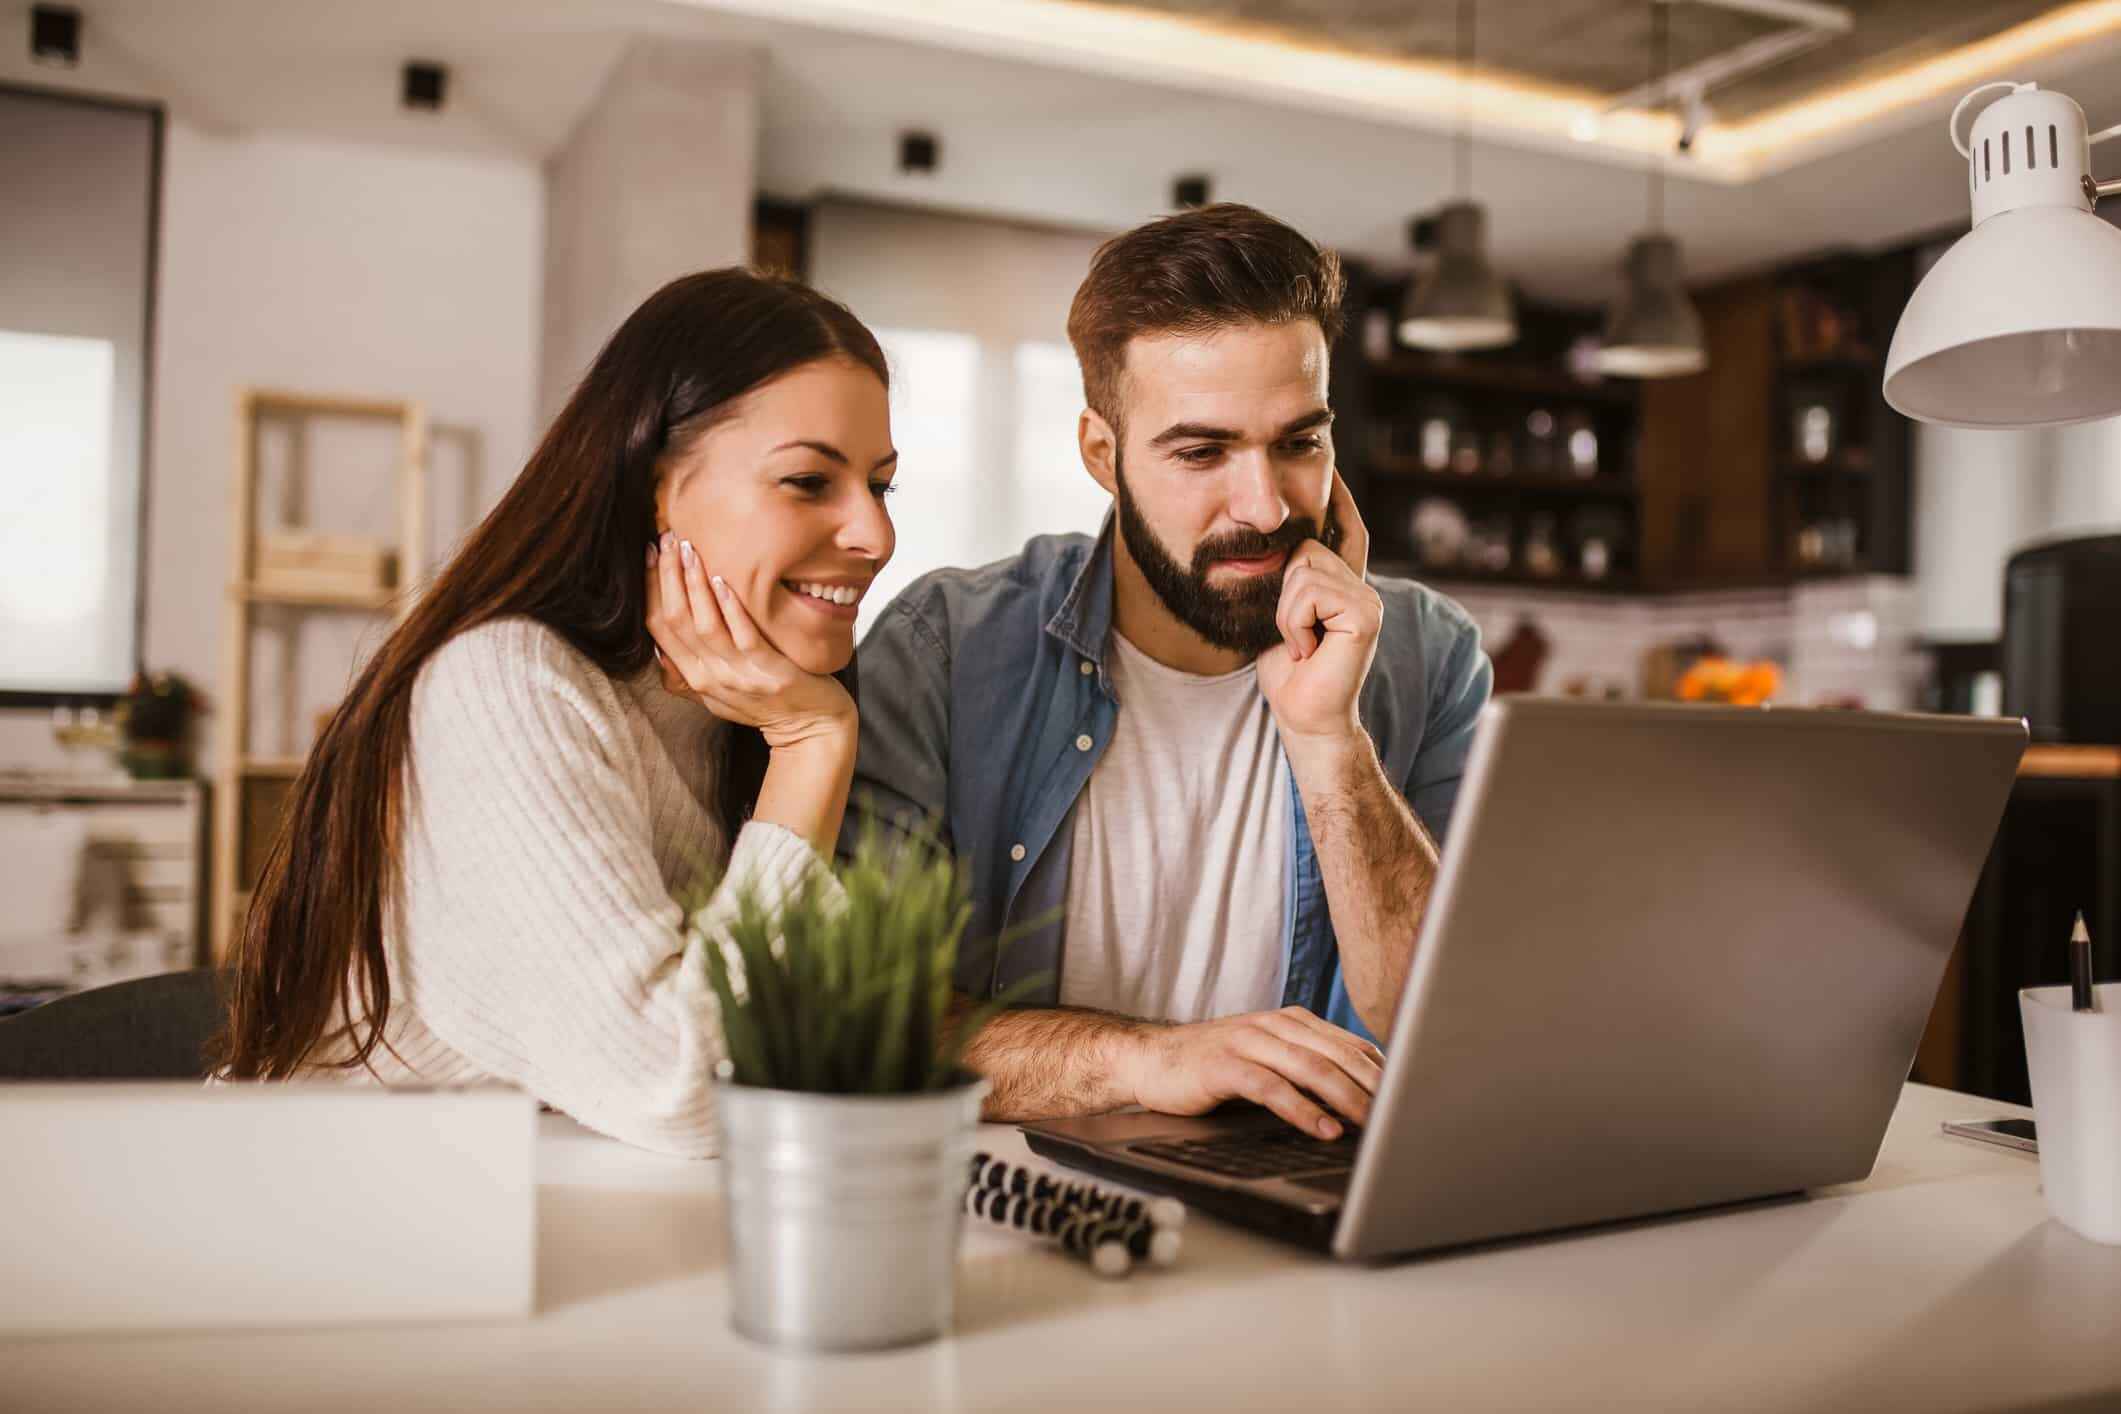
{"x":1938,"y":1284}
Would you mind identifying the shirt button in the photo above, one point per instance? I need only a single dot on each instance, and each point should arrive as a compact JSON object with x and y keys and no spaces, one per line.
{"x":1016,"y":852}
{"x":1083,"y":743}
{"x":1086,"y":667}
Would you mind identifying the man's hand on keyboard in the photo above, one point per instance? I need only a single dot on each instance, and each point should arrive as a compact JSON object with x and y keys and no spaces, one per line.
{"x":1270,"y":1058}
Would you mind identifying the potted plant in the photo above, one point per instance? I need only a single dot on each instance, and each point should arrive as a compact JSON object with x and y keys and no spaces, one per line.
{"x":847,"y":1120}
{"x":156,"y":718}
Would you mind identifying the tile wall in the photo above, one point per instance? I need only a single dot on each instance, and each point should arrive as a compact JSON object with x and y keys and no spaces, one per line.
{"x":1844,"y":641}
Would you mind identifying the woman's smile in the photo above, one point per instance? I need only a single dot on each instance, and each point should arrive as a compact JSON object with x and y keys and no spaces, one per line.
{"x":838,"y":599}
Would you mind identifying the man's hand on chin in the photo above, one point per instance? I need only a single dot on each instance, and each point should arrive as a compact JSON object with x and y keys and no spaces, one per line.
{"x":1329,"y":619}
{"x":1271,"y":1058}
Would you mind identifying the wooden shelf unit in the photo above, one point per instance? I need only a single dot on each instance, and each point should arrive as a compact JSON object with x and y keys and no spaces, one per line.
{"x":243,"y":811}
{"x":1384,"y":395}
{"x":1834,"y":318}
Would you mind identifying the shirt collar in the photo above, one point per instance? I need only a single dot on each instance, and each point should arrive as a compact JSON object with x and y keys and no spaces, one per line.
{"x":1084,"y":619}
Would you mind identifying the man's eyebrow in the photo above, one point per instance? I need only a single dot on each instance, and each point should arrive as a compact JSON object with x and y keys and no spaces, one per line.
{"x":1202,"y":432}
{"x":1194,"y":432}
{"x":831,"y":453}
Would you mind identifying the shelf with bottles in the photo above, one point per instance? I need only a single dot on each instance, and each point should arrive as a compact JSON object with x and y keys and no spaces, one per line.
{"x":1439,"y":438}
{"x":1591,"y":544}
{"x":1828,"y":525}
{"x":1490,"y":375}
{"x":1452,"y":579}
{"x":1842,"y":471}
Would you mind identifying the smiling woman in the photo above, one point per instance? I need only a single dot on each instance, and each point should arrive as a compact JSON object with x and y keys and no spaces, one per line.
{"x":638,"y":666}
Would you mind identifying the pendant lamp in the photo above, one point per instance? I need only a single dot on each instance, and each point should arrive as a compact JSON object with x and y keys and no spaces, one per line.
{"x":1459,"y":302}
{"x":2019,"y":323}
{"x":1652,"y":329}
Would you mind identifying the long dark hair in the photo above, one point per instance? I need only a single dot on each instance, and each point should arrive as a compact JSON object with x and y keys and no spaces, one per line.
{"x":567,"y":546}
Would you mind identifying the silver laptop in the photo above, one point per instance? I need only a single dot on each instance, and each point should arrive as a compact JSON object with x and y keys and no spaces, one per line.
{"x":1677,"y":957}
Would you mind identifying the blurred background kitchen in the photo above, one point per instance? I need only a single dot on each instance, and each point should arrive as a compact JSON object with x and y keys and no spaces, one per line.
{"x":288,"y":290}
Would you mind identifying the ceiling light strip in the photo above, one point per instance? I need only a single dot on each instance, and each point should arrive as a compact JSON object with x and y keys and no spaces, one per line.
{"x":1255,"y":65}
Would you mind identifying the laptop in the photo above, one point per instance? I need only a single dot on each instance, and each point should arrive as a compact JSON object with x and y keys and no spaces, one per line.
{"x":1676,"y":957}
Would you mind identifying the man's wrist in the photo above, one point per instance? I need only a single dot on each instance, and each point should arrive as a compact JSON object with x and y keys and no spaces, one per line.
{"x":1129,"y":1050}
{"x":1328,"y":761}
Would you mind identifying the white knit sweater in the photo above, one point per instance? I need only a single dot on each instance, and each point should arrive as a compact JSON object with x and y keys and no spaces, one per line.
{"x":553,"y":816}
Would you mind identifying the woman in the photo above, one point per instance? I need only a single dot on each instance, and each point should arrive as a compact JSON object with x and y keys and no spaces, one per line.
{"x":479,"y":871}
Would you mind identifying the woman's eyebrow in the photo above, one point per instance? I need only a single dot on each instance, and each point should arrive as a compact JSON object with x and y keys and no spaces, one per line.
{"x":827,"y":450}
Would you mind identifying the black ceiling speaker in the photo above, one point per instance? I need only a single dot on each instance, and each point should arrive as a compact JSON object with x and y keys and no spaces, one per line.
{"x":426,"y":85}
{"x":55,"y":35}
{"x":1189,"y":191}
{"x":918,"y":152}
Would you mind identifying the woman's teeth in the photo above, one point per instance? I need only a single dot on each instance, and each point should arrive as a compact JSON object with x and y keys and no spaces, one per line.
{"x":830,"y":593}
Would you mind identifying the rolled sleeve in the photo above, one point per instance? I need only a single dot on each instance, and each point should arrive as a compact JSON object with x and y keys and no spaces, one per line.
{"x":1458,"y":688}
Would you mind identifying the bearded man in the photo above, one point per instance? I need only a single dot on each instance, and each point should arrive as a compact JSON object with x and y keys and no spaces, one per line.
{"x":1199,"y":764}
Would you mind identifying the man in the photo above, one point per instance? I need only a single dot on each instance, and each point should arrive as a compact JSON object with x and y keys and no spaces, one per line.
{"x":1198,"y":764}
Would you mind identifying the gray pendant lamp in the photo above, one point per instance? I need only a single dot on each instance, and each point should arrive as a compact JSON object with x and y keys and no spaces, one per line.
{"x":1652,"y":329}
{"x":1459,"y":303}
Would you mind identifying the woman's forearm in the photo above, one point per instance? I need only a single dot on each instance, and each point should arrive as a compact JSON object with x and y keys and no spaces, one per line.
{"x":806,"y":786}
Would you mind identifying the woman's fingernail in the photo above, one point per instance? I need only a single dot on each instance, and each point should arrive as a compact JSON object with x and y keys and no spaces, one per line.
{"x":1328,"y":1129}
{"x":651,"y":554}
{"x":719,"y":587}
{"x":692,"y":557}
{"x":667,"y":541}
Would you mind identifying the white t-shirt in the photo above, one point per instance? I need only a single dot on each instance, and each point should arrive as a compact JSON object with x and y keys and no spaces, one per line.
{"x":1178,"y":874}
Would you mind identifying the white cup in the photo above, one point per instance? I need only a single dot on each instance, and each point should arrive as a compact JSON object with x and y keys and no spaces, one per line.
{"x":2075,"y":1061}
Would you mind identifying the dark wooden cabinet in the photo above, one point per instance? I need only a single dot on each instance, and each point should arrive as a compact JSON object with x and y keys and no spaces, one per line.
{"x":1707,"y":451}
{"x":1533,"y":464}
{"x":1842,"y":469}
{"x":1779,"y":461}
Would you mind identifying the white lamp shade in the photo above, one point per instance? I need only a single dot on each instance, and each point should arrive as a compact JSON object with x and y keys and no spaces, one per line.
{"x":2018,"y":325}
{"x":1459,"y":303}
{"x":1652,"y":329}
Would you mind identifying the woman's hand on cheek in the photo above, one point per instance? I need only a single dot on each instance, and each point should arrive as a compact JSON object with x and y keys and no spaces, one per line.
{"x":711,"y":650}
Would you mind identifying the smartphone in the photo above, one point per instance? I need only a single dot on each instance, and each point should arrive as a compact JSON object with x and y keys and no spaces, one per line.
{"x":2010,"y":1133}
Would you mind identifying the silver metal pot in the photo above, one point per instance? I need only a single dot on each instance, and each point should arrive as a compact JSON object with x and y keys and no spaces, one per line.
{"x":844,"y":1212}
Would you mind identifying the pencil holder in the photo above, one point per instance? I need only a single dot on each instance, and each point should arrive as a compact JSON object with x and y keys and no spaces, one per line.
{"x":2074,"y":1058}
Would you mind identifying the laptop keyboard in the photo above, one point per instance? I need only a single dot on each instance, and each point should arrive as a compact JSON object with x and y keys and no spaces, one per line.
{"x":1270,"y":1153}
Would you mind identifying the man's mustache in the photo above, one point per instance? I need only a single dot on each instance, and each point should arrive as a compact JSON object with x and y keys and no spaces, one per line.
{"x":1253,"y":544}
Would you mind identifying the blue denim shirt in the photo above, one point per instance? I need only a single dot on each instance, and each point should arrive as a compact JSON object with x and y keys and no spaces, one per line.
{"x":985,"y":706}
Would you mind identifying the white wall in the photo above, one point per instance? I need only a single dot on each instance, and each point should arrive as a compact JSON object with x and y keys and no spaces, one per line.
{"x":310,"y":265}
{"x":1980,"y":496}
{"x":656,"y":181}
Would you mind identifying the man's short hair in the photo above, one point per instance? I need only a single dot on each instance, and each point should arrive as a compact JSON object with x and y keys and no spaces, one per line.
{"x":1202,"y":270}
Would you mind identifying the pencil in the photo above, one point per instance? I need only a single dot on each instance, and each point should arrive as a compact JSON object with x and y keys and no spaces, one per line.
{"x":2081,"y":995}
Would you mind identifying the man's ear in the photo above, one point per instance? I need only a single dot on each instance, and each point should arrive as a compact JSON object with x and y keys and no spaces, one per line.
{"x":1100,"y":448}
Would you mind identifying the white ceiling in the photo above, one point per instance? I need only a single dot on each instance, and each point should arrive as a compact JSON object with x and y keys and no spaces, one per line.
{"x":1019,"y":138}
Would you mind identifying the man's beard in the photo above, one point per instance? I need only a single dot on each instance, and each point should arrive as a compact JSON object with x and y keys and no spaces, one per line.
{"x":1239,"y":618}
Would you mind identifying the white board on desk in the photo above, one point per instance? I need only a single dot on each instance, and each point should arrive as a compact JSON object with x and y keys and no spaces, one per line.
{"x":143,"y":1206}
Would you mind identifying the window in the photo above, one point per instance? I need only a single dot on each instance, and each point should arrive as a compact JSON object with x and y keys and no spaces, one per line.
{"x":1053,"y":492}
{"x":76,"y":287}
{"x":936,"y":509}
